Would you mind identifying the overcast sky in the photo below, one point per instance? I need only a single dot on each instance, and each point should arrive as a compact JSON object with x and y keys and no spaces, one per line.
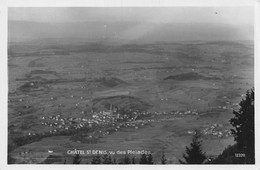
{"x":226,"y":15}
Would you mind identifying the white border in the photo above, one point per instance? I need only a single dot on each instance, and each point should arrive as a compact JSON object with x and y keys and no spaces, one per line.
{"x":127,"y":3}
{"x":4,"y":4}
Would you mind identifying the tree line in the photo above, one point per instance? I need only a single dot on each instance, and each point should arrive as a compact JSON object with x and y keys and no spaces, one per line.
{"x":107,"y":159}
{"x":242,"y":152}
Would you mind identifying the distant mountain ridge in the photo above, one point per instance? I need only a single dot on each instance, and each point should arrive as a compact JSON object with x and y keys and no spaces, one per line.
{"x":143,"y":32}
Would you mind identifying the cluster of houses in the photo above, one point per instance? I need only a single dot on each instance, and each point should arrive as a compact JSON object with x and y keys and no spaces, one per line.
{"x":59,"y":122}
{"x":214,"y":130}
{"x":188,"y":112}
{"x":136,"y":123}
{"x":103,"y":118}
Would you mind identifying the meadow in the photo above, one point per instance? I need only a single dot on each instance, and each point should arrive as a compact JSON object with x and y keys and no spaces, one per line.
{"x":171,"y":88}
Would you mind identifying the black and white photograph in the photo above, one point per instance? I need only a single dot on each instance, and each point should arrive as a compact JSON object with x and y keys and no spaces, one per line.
{"x":131,"y":85}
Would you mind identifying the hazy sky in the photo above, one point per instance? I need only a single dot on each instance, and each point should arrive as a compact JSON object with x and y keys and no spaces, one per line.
{"x":226,"y":15}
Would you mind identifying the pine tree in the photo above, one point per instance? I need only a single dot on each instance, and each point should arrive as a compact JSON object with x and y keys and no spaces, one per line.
{"x":76,"y":159}
{"x":110,"y":160}
{"x":143,"y":159}
{"x":114,"y":161}
{"x":163,"y":159}
{"x":244,"y":124}
{"x":96,"y":160}
{"x":194,"y":154}
{"x":150,"y":159}
{"x":127,"y":160}
{"x":133,"y":160}
{"x":107,"y":159}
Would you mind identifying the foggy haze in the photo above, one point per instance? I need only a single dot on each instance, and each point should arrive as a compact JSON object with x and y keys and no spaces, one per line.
{"x":132,"y":24}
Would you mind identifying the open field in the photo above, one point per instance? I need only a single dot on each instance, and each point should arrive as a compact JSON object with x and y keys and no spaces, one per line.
{"x":124,"y":97}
